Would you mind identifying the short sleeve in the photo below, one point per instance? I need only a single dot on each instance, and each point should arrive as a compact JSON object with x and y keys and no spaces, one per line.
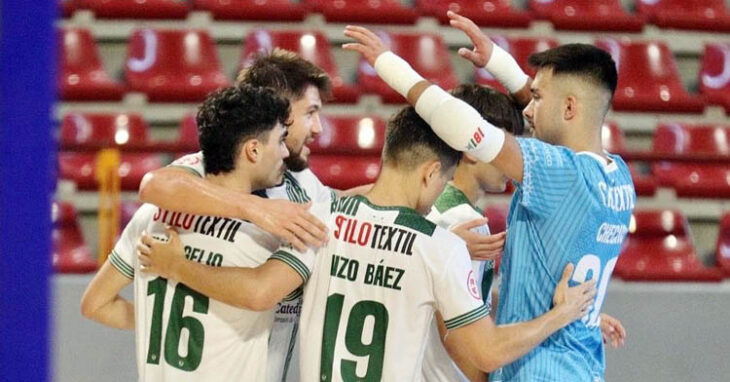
{"x":301,"y":262}
{"x":549,"y":173}
{"x":123,"y":255}
{"x":457,"y":294}
{"x":192,"y":163}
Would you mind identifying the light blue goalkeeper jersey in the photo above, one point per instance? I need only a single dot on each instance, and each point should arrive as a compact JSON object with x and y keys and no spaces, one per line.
{"x":570,"y":208}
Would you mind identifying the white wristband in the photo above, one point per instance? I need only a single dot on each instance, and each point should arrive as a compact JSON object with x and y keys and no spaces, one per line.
{"x":506,"y":70}
{"x":396,"y":72}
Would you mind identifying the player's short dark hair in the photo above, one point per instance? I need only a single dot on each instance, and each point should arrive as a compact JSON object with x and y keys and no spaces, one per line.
{"x":229,"y":117}
{"x":285,"y":72}
{"x":497,"y":108}
{"x":409,"y":141}
{"x":582,"y":60}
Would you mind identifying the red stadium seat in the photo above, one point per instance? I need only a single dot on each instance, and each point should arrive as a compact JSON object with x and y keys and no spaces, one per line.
{"x":659,"y":248}
{"x":350,"y":135}
{"x":541,"y":9}
{"x":187,"y":139}
{"x":648,"y":79}
{"x":312,"y":46}
{"x":497,"y":216}
{"x":692,"y":179}
{"x":521,"y":48}
{"x":722,"y":254}
{"x":82,"y":76}
{"x":68,"y":7}
{"x":173,"y":65}
{"x":365,"y":11}
{"x":81,"y":169}
{"x":614,"y":142}
{"x":708,"y":15}
{"x":715,"y":75}
{"x":70,"y":252}
{"x":264,"y":10}
{"x":93,"y":130}
{"x":139,"y":9}
{"x":488,"y":13}
{"x":428,"y":55}
{"x":343,"y":172}
{"x":594,"y":15}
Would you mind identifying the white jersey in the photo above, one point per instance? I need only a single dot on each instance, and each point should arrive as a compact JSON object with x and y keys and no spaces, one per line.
{"x":374,"y":289}
{"x":450,"y":209}
{"x":298,"y":187}
{"x":182,"y":335}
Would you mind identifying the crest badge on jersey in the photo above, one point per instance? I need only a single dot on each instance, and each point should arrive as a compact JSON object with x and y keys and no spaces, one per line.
{"x":471,"y":284}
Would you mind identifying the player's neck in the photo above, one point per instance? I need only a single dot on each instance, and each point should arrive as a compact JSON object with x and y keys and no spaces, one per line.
{"x":465,"y":182}
{"x":585,"y":140}
{"x":394,"y":188}
{"x":233,"y":180}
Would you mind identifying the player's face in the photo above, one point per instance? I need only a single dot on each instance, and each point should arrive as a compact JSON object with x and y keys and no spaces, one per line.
{"x":305,"y":127}
{"x":543,"y":113}
{"x":490,"y":179}
{"x":274,"y":153}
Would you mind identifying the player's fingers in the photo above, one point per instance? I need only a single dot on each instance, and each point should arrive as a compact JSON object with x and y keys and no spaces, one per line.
{"x":172,"y":234}
{"x":467,"y":26}
{"x":567,"y":272}
{"x":146,"y":239}
{"x":359,"y":35}
{"x":302,"y":232}
{"x":355,"y":47}
{"x":471,"y":56}
{"x":367,"y":33}
{"x":142,"y":248}
{"x":315,"y":226}
{"x":295,"y":242}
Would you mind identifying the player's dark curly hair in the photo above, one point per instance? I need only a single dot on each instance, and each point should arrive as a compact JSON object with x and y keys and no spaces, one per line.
{"x":497,"y":108}
{"x":229,"y":117}
{"x":409,"y":141}
{"x":582,"y":60}
{"x":286,"y":72}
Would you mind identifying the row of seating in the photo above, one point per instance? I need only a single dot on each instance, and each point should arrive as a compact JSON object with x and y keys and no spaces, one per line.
{"x":595,"y":15}
{"x":658,"y":248}
{"x":183,"y":66}
{"x":347,"y":153}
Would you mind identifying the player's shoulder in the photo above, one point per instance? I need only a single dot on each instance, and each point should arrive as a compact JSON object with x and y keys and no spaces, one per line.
{"x":193,"y":163}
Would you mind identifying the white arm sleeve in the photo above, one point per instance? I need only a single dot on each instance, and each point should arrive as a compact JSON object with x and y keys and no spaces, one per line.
{"x":459,"y":125}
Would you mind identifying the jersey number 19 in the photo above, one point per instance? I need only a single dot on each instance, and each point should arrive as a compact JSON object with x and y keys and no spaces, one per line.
{"x":374,"y":349}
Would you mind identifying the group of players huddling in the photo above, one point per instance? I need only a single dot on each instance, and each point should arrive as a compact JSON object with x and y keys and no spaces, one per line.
{"x":247,"y":268}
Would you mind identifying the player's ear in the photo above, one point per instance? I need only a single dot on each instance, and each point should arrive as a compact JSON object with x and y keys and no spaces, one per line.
{"x":431,"y":171}
{"x":570,"y":107}
{"x":252,"y":150}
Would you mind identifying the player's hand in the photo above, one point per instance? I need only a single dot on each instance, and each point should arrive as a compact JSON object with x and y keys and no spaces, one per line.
{"x":481,"y":247}
{"x":160,"y":257}
{"x":481,"y":52}
{"x":290,"y":222}
{"x":574,"y":301}
{"x":368,"y":43}
{"x":613,"y":331}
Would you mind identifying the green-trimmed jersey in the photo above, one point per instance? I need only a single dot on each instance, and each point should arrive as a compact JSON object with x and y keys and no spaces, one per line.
{"x":298,"y":187}
{"x":371,"y":292}
{"x":450,"y":209}
{"x":182,"y":335}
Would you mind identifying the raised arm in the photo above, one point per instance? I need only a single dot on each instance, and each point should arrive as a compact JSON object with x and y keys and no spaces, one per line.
{"x":101,"y":301}
{"x":256,"y":289}
{"x":176,"y":189}
{"x":486,"y":54}
{"x":453,"y":120}
{"x":489,"y":346}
